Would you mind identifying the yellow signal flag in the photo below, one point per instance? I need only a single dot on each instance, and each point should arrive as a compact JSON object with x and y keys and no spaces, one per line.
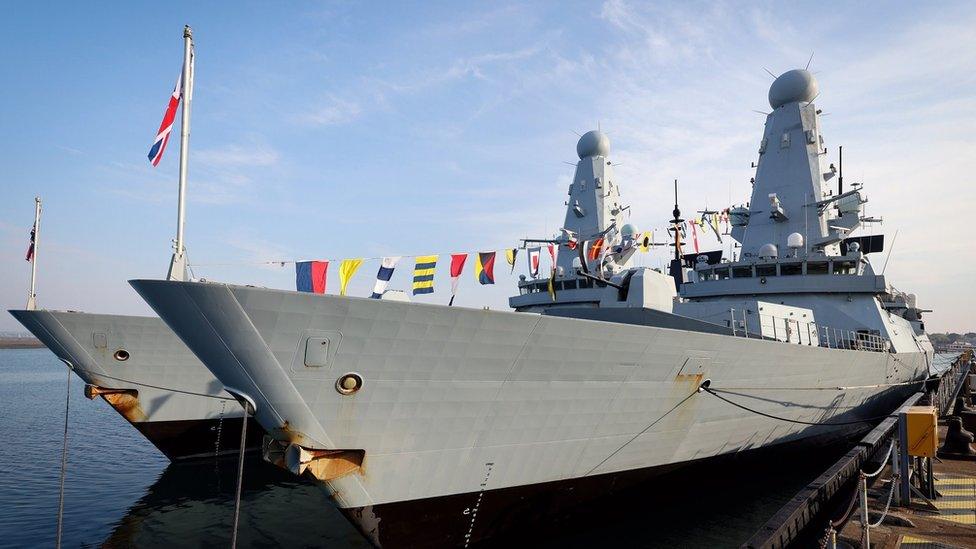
{"x":510,"y":255}
{"x":645,"y":241}
{"x":347,"y":268}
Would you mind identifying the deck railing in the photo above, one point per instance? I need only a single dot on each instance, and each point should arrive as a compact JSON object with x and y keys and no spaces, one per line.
{"x":798,"y":332}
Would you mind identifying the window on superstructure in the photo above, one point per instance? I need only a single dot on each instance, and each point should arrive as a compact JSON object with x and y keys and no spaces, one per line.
{"x":845,"y":267}
{"x":766,"y":270}
{"x":817,"y":267}
{"x":790,"y":269}
{"x":722,"y":273}
{"x":741,"y":272}
{"x":569,"y":285}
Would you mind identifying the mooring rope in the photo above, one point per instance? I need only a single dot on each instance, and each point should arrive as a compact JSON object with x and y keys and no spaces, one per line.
{"x":240,"y":474}
{"x":644,"y":430}
{"x":788,"y":420}
{"x":64,"y":459}
{"x":825,"y":388}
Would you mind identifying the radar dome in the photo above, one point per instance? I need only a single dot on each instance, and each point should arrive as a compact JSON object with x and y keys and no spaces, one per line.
{"x":768,"y":251}
{"x":593,"y":143}
{"x":629,"y":231}
{"x":795,"y":240}
{"x":792,"y":86}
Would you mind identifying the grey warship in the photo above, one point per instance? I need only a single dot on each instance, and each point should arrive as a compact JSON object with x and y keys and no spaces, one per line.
{"x":443,"y":426}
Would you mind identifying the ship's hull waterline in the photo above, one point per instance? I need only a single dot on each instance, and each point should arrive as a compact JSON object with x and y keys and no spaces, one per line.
{"x":470,"y":406}
{"x":161,"y":388}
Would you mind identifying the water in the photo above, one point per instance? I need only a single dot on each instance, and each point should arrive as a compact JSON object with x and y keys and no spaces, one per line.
{"x":121,"y":492}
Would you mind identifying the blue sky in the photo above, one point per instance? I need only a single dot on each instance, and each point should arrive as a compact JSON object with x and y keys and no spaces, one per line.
{"x":345,"y":130}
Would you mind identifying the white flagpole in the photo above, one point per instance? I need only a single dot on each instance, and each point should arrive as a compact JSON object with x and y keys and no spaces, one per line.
{"x":32,"y":296}
{"x":177,"y":266}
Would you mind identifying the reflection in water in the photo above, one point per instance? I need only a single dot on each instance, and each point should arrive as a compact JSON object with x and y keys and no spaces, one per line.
{"x":195,"y":501}
{"x":718,"y":505}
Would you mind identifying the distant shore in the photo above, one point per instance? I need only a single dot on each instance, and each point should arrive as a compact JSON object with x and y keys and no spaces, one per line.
{"x":20,"y":343}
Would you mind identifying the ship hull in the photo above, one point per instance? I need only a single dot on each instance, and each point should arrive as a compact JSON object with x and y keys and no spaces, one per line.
{"x":533,"y":513}
{"x":473,"y":406}
{"x":161,"y":389}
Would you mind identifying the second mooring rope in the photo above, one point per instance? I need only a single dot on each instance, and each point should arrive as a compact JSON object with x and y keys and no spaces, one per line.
{"x":64,"y":459}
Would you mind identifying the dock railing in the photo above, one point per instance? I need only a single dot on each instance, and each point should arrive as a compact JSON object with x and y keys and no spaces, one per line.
{"x":798,"y":332}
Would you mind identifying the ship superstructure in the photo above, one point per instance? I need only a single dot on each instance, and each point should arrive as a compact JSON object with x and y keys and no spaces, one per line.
{"x":443,"y":426}
{"x":797,"y":248}
{"x":595,"y":247}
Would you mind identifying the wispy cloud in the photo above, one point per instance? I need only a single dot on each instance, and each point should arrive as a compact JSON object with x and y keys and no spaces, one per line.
{"x":333,"y":111}
{"x":236,"y":155}
{"x":219,"y":175}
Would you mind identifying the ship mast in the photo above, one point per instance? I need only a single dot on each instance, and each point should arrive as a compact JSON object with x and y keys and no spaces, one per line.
{"x":675,"y":269}
{"x":35,"y":240}
{"x":177,"y":265}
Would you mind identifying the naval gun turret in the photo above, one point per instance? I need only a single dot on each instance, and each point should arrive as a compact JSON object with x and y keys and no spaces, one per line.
{"x":595,"y":246}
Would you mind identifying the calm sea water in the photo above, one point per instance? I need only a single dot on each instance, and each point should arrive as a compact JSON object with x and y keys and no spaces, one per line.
{"x":121,"y":492}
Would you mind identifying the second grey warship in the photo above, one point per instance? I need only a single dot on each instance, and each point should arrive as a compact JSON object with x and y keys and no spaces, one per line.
{"x":444,"y":426}
{"x":137,"y":364}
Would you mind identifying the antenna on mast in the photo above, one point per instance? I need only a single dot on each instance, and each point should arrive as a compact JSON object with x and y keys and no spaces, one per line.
{"x":177,"y":265}
{"x":840,"y":170}
{"x":675,"y":269}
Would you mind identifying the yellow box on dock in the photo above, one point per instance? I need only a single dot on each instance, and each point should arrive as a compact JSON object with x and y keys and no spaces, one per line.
{"x":923,"y":431}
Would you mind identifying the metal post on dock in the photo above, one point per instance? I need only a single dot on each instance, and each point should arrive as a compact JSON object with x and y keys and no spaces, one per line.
{"x":896,"y":469}
{"x":865,"y":526}
{"x":904,"y":480}
{"x":930,"y":479}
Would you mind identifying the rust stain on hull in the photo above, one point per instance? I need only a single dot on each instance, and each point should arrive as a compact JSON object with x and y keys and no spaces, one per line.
{"x":324,"y":465}
{"x":694,"y":379}
{"x":332,"y":464}
{"x":125,"y":401}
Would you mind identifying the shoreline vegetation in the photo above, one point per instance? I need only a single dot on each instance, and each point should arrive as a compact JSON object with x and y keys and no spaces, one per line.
{"x":20,"y":343}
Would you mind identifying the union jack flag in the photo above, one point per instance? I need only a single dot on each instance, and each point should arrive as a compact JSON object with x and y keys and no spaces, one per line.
{"x":162,"y":136}
{"x":30,"y":249}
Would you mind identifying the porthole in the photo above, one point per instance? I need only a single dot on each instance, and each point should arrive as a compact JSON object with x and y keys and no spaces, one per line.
{"x":121,"y":355}
{"x":349,"y":383}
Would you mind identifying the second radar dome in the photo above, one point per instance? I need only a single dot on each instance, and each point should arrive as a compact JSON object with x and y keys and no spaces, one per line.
{"x":593,"y":143}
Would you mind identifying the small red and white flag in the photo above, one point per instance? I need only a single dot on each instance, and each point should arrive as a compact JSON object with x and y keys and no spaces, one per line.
{"x":166,"y":127}
{"x":534,"y":262}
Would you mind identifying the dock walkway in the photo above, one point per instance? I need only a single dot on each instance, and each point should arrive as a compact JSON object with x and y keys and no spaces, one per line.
{"x":946,"y":521}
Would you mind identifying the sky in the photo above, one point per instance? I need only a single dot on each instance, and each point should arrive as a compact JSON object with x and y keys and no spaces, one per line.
{"x":342,"y":130}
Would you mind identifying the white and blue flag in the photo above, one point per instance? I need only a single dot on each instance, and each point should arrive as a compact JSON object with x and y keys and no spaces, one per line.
{"x":384,"y":275}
